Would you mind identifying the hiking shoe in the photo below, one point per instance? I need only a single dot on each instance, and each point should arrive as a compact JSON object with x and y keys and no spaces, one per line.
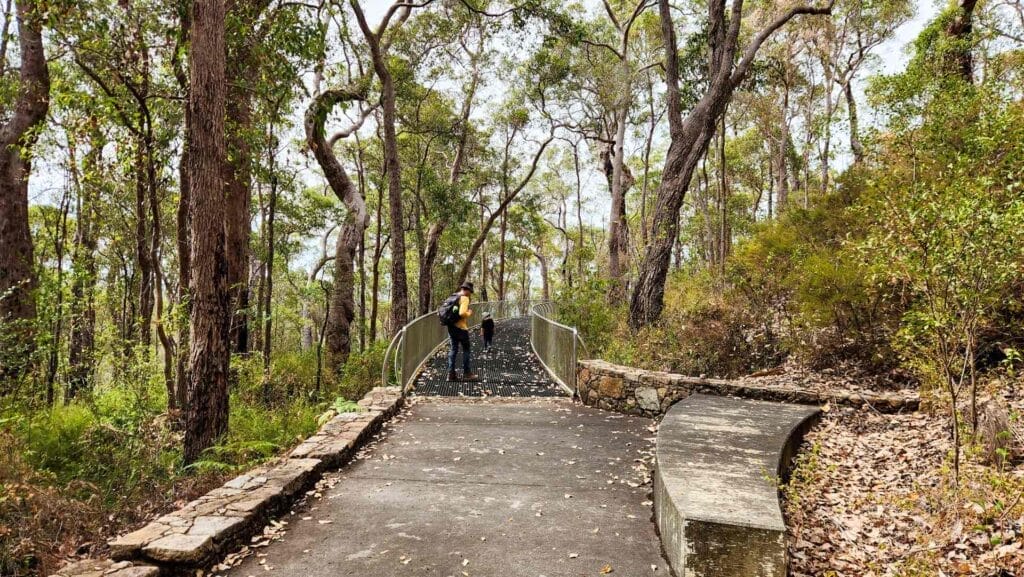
{"x":470,"y":377}
{"x":453,"y":376}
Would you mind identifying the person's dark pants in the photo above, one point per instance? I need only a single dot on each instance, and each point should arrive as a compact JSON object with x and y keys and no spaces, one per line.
{"x":488,"y":341}
{"x":458,"y":338}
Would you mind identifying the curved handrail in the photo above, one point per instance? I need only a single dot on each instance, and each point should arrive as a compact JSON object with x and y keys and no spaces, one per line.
{"x":548,"y":340}
{"x":550,"y":320}
{"x":422,"y":336}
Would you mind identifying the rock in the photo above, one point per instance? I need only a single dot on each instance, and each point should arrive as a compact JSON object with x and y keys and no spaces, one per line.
{"x":128,"y":546}
{"x":611,"y":387}
{"x":180,"y":549}
{"x":648,"y":399}
{"x":107,"y":568}
{"x":219,"y":527}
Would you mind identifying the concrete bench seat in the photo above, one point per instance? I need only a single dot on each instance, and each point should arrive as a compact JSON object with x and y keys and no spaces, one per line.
{"x":716,"y":486}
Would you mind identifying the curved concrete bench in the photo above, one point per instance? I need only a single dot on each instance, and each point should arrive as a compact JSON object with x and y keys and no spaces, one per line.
{"x":716,"y":495}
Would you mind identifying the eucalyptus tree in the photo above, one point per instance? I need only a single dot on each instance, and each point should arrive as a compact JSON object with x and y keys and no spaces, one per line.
{"x":378,"y":41}
{"x":21,"y":121}
{"x":728,"y":64}
{"x":856,"y":30}
{"x":610,"y":67}
{"x":206,"y":413}
{"x":342,"y":309}
{"x":439,"y":124}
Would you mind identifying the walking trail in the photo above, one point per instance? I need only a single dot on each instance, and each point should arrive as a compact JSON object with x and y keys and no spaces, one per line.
{"x":516,"y":482}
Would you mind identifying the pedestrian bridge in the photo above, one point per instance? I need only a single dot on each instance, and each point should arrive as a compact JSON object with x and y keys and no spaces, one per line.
{"x":534,"y":355}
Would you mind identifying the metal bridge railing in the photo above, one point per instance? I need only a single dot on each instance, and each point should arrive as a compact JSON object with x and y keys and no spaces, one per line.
{"x":417,"y":342}
{"x":556,"y":345}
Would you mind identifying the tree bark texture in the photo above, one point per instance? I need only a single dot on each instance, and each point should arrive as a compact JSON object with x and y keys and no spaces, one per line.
{"x":206,"y":414}
{"x":17,"y":137}
{"x":342,"y":308}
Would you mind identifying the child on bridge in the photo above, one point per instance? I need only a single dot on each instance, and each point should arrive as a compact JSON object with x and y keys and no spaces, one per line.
{"x":487,"y":331}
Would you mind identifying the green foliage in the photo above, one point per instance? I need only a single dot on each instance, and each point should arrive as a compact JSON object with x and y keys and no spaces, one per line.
{"x":586,"y":308}
{"x":362,"y":372}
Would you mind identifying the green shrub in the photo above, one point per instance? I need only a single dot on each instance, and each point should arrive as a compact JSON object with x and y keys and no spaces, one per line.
{"x":362,"y":372}
{"x":586,"y":307}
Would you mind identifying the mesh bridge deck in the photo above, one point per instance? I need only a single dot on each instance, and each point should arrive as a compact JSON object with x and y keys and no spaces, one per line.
{"x":508,"y":369}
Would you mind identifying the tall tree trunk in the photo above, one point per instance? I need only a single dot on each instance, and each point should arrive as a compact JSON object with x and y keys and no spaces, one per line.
{"x":82,"y":346}
{"x":4,"y":36}
{"x":142,"y":251}
{"x":17,"y":137}
{"x":851,"y":107}
{"x":437,"y":229}
{"x":617,"y":220}
{"x":60,"y":236}
{"x":342,"y":307}
{"x":399,"y":282}
{"x":237,"y":199}
{"x":691,"y":135}
{"x":241,"y":68}
{"x":206,"y":413}
{"x":268,"y":296}
{"x":182,"y":223}
{"x":782,"y":160}
{"x":502,"y":229}
{"x":960,"y":29}
{"x":378,"y":251}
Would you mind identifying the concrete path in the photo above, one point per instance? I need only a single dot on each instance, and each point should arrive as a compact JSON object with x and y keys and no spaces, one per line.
{"x":495,"y":487}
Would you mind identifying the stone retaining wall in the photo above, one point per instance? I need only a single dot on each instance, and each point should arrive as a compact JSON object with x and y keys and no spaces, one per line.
{"x":209,"y":526}
{"x":650,"y":393}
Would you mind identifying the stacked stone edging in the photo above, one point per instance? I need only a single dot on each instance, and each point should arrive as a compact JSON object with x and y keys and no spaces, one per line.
{"x":205,"y":528}
{"x":650,"y":393}
{"x":716,"y":506}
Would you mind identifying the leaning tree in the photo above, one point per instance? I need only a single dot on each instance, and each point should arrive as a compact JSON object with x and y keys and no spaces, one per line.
{"x":728,"y":64}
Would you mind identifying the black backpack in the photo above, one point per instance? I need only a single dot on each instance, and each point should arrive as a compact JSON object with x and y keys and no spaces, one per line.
{"x":448,"y":314}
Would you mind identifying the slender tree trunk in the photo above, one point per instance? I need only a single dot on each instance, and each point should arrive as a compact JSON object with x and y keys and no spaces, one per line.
{"x":378,"y":250}
{"x":142,"y":252}
{"x":723,"y":183}
{"x":182,"y":221}
{"x":17,"y":137}
{"x":241,"y":68}
{"x":206,"y":414}
{"x":502,"y":229}
{"x":782,"y":160}
{"x":8,"y":16}
{"x":238,"y":195}
{"x":82,"y":347}
{"x":268,"y":295}
{"x":438,"y":227}
{"x":851,"y":107}
{"x":60,"y":234}
{"x":617,"y":220}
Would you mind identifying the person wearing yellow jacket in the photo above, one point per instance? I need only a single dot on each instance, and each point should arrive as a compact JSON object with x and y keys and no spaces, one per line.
{"x":458,"y":337}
